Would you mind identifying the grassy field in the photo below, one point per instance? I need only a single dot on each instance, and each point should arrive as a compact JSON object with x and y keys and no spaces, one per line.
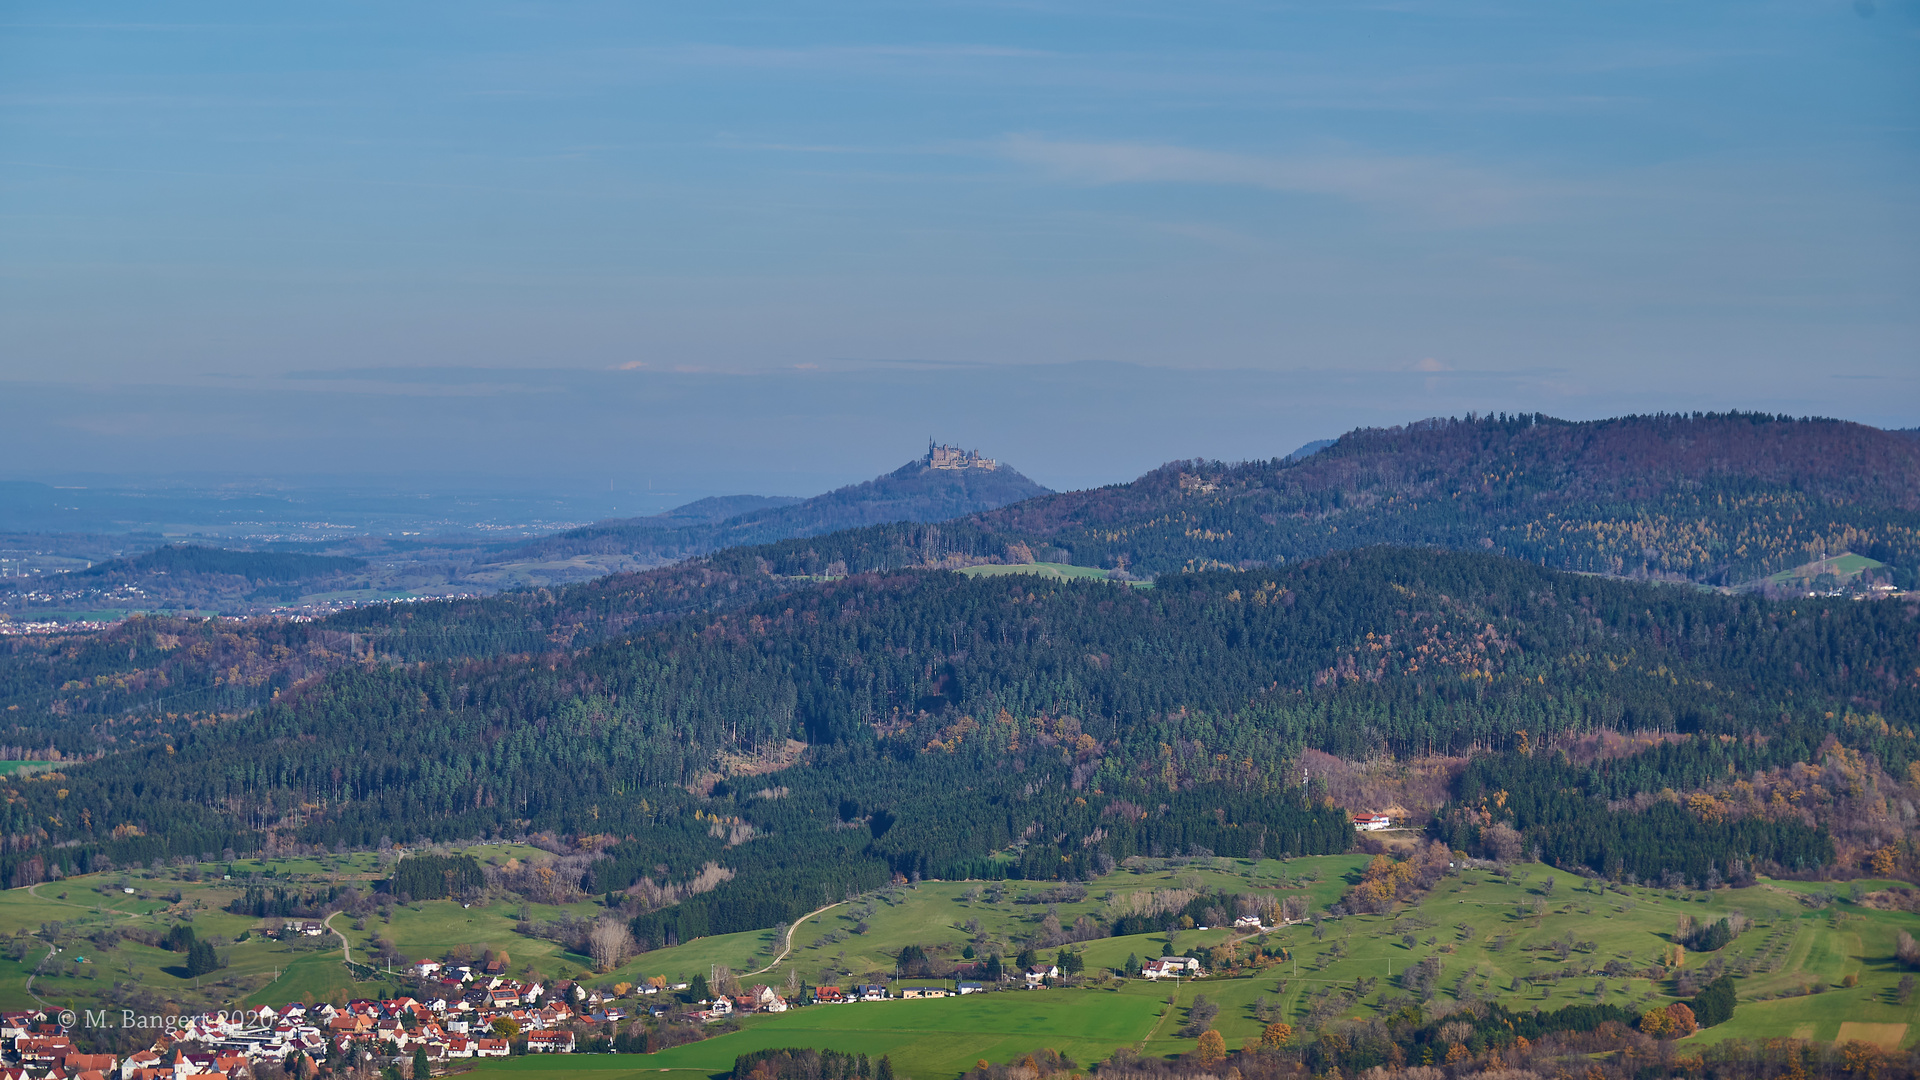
{"x":1840,"y":567}
{"x":924,"y":1038}
{"x":1055,"y":570}
{"x":1496,"y":936}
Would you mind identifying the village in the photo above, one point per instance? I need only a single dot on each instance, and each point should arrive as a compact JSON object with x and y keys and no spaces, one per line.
{"x":470,"y":1014}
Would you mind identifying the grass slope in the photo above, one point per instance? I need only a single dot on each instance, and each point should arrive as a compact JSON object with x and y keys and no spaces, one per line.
{"x":1491,"y":933}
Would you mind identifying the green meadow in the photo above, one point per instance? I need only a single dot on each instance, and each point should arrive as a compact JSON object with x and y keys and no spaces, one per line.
{"x":1841,"y":567}
{"x":1054,"y":570}
{"x":1532,"y":938}
{"x":924,"y":1038}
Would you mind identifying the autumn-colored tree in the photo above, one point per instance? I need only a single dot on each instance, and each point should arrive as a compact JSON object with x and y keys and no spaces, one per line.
{"x":1683,"y":1020}
{"x":1886,"y":860}
{"x":1278,"y":1034}
{"x":506,"y":1028}
{"x":1655,"y":1022}
{"x":1212,"y":1049}
{"x":1458,"y":1053}
{"x":1861,"y":1058}
{"x":1676,"y":1021}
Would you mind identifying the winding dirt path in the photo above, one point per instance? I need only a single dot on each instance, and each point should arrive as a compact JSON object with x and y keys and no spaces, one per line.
{"x":52,"y":951}
{"x":97,"y":909}
{"x":787,"y":949}
{"x":346,"y":947}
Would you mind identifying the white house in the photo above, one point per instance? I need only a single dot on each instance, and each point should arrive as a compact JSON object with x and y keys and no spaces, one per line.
{"x":1039,"y":974}
{"x":1372,"y":823}
{"x":1166,"y":967}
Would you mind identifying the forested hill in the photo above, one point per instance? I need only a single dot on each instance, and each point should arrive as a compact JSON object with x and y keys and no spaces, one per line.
{"x":1722,"y":499}
{"x":914,"y":492}
{"x":192,"y":560}
{"x":948,"y":718}
{"x":189,"y":576}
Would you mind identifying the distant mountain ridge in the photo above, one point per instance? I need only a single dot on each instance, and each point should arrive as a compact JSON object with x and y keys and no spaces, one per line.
{"x":709,"y":511}
{"x":927,"y":490}
{"x":1721,"y":499}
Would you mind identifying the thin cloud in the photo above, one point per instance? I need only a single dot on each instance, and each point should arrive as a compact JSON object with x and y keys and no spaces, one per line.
{"x":1425,"y":187}
{"x":832,"y":57}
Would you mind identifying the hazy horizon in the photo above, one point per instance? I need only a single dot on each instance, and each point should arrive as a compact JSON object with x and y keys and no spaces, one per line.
{"x":774,"y":248}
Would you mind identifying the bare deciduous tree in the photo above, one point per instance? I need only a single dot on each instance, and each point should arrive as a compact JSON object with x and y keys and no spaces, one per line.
{"x":610,"y":942}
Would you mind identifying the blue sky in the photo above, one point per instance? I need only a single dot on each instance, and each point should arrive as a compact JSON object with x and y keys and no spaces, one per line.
{"x":774,"y":246}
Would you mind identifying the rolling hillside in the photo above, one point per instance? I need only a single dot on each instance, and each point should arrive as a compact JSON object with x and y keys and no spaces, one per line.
{"x":938,"y":724}
{"x":1717,"y":499}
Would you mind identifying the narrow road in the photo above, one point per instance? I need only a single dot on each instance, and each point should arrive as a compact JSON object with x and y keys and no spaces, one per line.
{"x":34,"y":891}
{"x":787,"y":950}
{"x":346,"y":947}
{"x":52,"y":951}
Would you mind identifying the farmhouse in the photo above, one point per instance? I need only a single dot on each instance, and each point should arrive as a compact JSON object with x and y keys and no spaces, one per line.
{"x":1172,"y":967}
{"x":1372,"y":822}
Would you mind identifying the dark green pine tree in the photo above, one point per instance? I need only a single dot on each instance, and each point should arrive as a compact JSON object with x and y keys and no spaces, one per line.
{"x":1714,"y":1003}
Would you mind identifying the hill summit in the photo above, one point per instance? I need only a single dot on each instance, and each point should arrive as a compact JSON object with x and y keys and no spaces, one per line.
{"x":946,"y":483}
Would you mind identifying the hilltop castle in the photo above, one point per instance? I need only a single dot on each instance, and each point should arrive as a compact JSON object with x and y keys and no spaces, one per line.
{"x":942,"y":456}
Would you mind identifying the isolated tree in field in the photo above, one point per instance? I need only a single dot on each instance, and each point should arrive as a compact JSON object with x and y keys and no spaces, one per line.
{"x":1199,"y":1016}
{"x":1276,"y":1035}
{"x":1906,"y":949}
{"x":201,"y":959}
{"x":1715,"y":1002}
{"x":1212,"y":1049}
